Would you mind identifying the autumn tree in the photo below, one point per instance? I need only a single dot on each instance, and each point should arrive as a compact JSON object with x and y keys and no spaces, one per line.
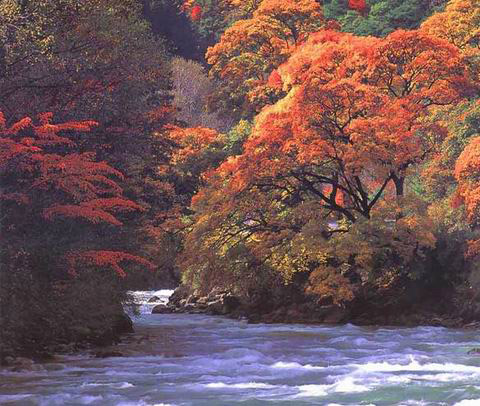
{"x":321,"y":184}
{"x":41,"y":186}
{"x":466,"y":174}
{"x":191,"y":91}
{"x":355,"y":90}
{"x":61,"y":209}
{"x":252,"y":49}
{"x":458,"y":24}
{"x":95,"y":60}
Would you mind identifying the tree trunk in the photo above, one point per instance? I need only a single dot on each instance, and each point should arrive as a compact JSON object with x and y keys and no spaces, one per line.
{"x":399,"y":182}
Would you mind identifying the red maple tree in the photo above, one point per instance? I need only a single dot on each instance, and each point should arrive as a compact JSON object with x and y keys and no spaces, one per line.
{"x":196,"y":13}
{"x":46,"y":179}
{"x":358,"y":5}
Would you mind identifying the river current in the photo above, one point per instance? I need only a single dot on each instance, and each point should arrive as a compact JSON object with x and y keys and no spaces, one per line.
{"x":207,"y":361}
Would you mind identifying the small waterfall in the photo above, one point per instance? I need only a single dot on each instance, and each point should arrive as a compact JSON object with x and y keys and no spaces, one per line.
{"x":143,"y":299}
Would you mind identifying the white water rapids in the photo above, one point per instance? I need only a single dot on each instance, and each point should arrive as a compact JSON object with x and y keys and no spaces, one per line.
{"x":207,"y":361}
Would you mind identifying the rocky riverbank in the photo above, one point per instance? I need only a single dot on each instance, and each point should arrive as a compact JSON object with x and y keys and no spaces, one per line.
{"x":217,"y":302}
{"x":83,"y":338}
{"x":223,"y":302}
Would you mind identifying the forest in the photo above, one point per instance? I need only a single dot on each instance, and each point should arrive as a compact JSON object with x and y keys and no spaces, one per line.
{"x":298,"y":154}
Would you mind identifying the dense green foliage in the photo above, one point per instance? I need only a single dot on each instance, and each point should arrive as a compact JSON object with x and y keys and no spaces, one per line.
{"x":381,"y":17}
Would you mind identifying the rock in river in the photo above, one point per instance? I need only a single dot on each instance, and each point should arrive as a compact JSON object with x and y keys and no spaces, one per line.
{"x":162,"y":309}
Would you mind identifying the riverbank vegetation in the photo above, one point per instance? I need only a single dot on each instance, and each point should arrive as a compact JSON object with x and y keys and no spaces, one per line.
{"x":356,"y":185}
{"x":287,"y":152}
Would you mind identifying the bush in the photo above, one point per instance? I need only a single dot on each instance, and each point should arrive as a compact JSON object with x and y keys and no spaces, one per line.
{"x":38,"y":314}
{"x":191,"y":91}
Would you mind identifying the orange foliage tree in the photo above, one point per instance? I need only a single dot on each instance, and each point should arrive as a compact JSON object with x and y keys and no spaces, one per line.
{"x":459,"y":23}
{"x":251,"y":49}
{"x":94,"y":60}
{"x":467,"y":171}
{"x":321,"y":183}
{"x":354,"y":117}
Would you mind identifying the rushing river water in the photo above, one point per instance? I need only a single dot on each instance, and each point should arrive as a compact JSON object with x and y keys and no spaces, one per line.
{"x":208,"y":361}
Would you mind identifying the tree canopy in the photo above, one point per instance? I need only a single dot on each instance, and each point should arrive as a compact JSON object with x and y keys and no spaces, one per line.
{"x":251,"y":49}
{"x":329,"y":162}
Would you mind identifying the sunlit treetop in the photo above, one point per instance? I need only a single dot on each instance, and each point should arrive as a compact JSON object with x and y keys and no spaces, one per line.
{"x":294,"y":20}
{"x":341,"y":54}
{"x":353,"y":121}
{"x":251,"y":49}
{"x":458,"y":24}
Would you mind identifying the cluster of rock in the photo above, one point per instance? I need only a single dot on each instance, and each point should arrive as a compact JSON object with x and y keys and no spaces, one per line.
{"x":217,"y":302}
{"x":224,"y":303}
{"x":264,"y":310}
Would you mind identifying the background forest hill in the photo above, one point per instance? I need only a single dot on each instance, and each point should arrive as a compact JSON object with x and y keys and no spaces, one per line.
{"x":317,"y":160}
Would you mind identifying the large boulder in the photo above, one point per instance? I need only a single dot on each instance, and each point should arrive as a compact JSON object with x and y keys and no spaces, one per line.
{"x":222,"y":304}
{"x":216,"y":293}
{"x":216,"y":308}
{"x":162,"y":309}
{"x":202,"y":300}
{"x":154,"y":299}
{"x":180,"y":293}
{"x":122,"y":324}
{"x":192,"y":299}
{"x":217,"y":302}
{"x":334,"y":314}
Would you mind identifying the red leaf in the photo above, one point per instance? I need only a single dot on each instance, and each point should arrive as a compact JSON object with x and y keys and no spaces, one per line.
{"x":196,"y":13}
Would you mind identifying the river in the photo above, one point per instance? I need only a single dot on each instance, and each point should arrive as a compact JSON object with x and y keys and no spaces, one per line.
{"x":207,"y":361}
